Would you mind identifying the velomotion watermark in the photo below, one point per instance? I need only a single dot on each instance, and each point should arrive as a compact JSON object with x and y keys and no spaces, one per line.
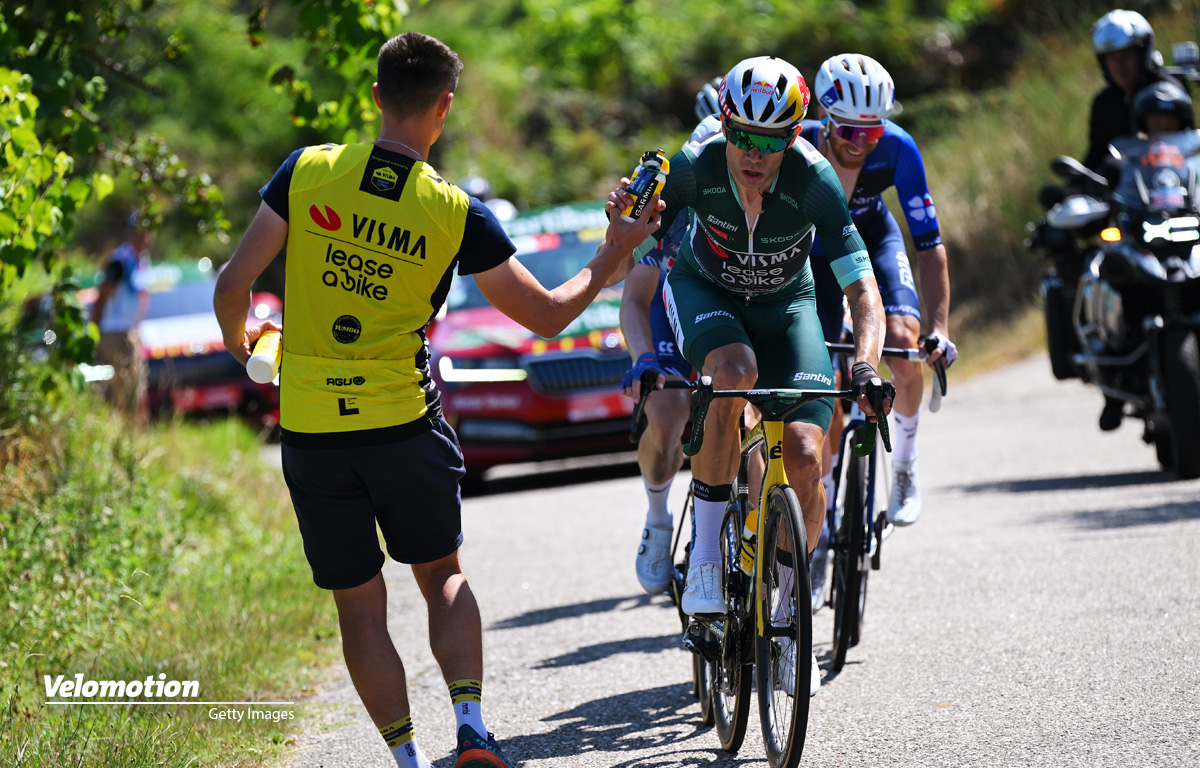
{"x":79,"y":690}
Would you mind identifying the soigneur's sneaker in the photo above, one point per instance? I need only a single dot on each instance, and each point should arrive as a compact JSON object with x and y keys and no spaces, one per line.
{"x":475,"y":752}
{"x":904,"y":506}
{"x":703,"y":594}
{"x":654,"y":559}
{"x":785,"y":670}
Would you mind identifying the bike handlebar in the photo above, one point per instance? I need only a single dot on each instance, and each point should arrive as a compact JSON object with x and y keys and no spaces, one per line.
{"x":765,"y":399}
{"x":925,"y":344}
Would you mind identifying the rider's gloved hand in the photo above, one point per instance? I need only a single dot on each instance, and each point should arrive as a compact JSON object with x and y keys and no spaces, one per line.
{"x":631,"y":382}
{"x":945,"y":350}
{"x":865,"y":382}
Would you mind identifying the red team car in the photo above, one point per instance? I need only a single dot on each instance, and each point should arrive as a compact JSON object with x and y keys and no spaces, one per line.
{"x":513,"y":396}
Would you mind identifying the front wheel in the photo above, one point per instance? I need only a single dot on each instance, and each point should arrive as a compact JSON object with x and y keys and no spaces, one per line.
{"x":783,"y":654}
{"x":729,"y":677}
{"x":1182,"y":368}
{"x":849,"y":562}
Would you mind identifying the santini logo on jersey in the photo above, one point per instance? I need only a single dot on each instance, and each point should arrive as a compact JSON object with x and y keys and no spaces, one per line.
{"x":709,"y":315}
{"x":722,"y":224}
{"x":398,"y":239}
{"x":802,"y":376}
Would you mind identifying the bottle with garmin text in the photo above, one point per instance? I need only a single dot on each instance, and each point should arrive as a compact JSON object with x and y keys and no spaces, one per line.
{"x":648,"y":180}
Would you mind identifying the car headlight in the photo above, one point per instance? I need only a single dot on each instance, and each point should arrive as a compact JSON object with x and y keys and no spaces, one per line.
{"x":478,"y":369}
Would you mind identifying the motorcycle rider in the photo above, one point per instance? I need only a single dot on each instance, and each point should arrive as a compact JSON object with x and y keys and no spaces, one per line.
{"x":1162,"y":108}
{"x":1124,"y":45}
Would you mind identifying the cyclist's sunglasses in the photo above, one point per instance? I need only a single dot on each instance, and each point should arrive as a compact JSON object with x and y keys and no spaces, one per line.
{"x":850,"y":133}
{"x":746,"y":141}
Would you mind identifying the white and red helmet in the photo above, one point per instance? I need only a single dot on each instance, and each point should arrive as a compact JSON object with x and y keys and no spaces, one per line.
{"x":765,"y":92}
{"x":855,"y":87}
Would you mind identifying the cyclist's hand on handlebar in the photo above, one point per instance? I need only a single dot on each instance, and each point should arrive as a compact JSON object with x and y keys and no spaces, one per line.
{"x":631,"y":383}
{"x":866,"y":383}
{"x":942,"y":349}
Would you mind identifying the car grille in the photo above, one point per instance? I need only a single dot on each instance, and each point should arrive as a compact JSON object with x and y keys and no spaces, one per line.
{"x":564,"y":373}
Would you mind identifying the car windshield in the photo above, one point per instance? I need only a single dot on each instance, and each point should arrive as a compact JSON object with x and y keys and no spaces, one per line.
{"x":1159,"y":175}
{"x":553,"y":259}
{"x":186,"y":298}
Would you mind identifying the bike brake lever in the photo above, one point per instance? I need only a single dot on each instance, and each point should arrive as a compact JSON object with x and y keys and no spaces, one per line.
{"x":637,"y":420}
{"x":928,"y":343}
{"x":701,"y":397}
{"x":881,"y":420}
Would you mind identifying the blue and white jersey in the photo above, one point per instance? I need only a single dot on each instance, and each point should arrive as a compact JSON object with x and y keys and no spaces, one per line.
{"x":895,"y":161}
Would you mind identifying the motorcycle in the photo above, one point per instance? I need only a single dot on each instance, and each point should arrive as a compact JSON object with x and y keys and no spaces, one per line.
{"x":1122,"y":295}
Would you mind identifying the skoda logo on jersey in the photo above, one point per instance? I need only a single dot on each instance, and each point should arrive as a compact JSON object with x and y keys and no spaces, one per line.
{"x":329,"y":220}
{"x":921,"y":208}
{"x":384,"y":178}
{"x":347,"y":329}
{"x":830,"y":97}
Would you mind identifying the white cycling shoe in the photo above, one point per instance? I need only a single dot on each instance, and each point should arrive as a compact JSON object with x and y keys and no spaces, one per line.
{"x":817,"y":568}
{"x":703,"y":594}
{"x":904,"y":505}
{"x":654,"y":560}
{"x":785,"y":672}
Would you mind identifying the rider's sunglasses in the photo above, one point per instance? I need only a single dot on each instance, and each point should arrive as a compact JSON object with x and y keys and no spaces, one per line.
{"x":746,"y":141}
{"x":850,"y":133}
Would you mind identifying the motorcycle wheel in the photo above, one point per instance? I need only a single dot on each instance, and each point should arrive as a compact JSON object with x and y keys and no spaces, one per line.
{"x":1061,"y":341}
{"x":1182,"y":367}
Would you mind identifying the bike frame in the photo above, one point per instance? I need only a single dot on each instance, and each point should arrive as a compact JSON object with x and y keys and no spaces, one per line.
{"x":770,"y":433}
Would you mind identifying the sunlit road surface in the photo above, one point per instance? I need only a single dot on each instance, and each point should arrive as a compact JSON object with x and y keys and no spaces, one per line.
{"x":1045,"y":611}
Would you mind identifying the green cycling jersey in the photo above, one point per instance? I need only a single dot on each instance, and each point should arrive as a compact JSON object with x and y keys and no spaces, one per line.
{"x":767,"y":258}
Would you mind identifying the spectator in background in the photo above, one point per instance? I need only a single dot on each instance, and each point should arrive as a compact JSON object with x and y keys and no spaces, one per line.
{"x":118,"y":310}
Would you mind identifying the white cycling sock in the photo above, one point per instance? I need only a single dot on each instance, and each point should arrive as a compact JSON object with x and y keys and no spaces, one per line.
{"x":827,"y":481}
{"x":707,"y":546}
{"x":466,"y":695}
{"x":904,"y":436}
{"x":403,"y":744}
{"x":659,"y":513}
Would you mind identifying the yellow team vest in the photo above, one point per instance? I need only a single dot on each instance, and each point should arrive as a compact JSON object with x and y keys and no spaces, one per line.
{"x":372,"y":238}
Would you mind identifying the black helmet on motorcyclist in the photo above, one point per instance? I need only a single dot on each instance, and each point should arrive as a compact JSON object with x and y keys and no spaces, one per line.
{"x":1164,"y":98}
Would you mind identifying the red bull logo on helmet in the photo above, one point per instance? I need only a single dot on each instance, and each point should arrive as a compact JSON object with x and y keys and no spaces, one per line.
{"x":762,"y":86}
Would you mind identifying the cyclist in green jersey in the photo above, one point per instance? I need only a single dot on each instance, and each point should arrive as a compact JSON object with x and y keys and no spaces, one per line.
{"x":740,"y":296}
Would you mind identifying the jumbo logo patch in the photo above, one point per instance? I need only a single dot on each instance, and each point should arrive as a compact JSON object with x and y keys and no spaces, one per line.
{"x":384,"y":178}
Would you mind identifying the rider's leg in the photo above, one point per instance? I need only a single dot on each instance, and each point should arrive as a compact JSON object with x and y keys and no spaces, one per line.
{"x":731,"y":366}
{"x":660,"y":457}
{"x":660,"y":453}
{"x":802,"y":446}
{"x":904,"y":505}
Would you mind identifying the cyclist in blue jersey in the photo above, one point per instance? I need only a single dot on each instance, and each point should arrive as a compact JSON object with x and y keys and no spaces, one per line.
{"x":870,"y":154}
{"x":652,"y":346}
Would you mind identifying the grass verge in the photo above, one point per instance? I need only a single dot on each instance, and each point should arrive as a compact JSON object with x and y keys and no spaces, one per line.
{"x":124,"y":556}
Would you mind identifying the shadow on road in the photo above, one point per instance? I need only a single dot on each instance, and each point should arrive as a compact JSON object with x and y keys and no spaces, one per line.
{"x":652,"y":719}
{"x":590,"y":653}
{"x":535,"y":479}
{"x":1079,"y":482}
{"x":547,"y":615}
{"x":1125,"y":517}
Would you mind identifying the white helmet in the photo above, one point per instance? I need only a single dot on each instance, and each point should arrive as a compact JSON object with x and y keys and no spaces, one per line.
{"x":855,"y":87}
{"x":765,"y":92}
{"x":708,"y":99}
{"x":1120,"y":29}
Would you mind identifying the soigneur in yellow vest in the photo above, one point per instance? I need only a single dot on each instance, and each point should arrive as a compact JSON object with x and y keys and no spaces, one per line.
{"x":372,"y":237}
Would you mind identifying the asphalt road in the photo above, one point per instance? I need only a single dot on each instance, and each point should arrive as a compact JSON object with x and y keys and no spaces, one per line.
{"x":1045,"y":611}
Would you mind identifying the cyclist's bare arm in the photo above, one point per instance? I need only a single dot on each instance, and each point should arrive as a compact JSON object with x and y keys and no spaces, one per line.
{"x":513,"y":290}
{"x":264,"y":238}
{"x":866,"y":312}
{"x":640,"y":287}
{"x":935,"y":290}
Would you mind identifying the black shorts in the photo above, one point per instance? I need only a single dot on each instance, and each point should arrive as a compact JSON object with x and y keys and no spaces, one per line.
{"x":409,"y":487}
